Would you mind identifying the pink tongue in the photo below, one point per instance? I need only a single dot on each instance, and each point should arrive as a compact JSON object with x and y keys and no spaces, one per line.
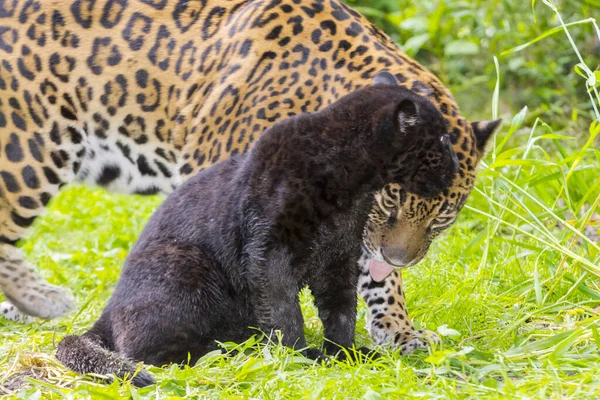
{"x":379,"y":270}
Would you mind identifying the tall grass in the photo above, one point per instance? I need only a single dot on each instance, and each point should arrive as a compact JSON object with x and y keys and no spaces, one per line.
{"x":539,"y":199}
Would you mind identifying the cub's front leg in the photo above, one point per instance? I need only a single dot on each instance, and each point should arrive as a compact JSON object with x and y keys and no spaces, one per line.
{"x":334,"y":291}
{"x":274,"y":294}
{"x":389,"y":323}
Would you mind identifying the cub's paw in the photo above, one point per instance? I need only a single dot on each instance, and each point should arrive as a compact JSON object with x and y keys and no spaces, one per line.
{"x":315,"y":354}
{"x":142,"y":379}
{"x":40,"y":299}
{"x":408,"y":342}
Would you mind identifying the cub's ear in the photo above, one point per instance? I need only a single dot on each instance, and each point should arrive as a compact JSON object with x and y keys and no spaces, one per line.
{"x":407,"y":115}
{"x":483,"y":132}
{"x":385,"y":78}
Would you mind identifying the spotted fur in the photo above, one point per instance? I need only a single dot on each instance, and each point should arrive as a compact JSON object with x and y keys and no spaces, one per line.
{"x":138,"y":95}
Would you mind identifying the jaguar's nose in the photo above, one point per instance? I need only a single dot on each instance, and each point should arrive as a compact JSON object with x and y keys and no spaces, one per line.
{"x":396,"y":260}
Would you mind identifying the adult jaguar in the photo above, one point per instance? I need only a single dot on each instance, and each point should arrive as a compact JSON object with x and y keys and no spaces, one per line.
{"x":139,"y":95}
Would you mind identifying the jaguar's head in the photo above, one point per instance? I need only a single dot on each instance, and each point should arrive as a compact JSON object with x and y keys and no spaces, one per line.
{"x":401,"y":225}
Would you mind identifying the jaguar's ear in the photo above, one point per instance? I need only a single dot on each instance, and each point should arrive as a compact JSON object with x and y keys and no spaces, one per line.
{"x":385,"y":78}
{"x":407,"y":115}
{"x":483,"y":132}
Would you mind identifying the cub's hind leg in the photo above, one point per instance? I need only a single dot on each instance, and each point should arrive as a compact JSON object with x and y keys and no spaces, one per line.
{"x":173,"y":301}
{"x":28,"y":180}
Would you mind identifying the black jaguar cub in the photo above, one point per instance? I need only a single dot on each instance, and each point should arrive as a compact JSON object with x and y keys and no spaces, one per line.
{"x":231,"y":248}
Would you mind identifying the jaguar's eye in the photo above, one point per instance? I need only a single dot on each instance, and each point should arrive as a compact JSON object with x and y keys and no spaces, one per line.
{"x":442,"y":222}
{"x":389,"y":205}
{"x":393,"y":215}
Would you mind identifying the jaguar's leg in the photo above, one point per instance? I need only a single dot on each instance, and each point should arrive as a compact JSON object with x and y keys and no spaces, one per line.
{"x":12,"y":313}
{"x":389,"y":323}
{"x":24,"y":289}
{"x":29,"y":177}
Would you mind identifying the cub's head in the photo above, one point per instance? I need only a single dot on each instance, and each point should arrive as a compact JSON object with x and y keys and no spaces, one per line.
{"x":427,"y":163}
{"x":402,"y":134}
{"x":404,"y":221}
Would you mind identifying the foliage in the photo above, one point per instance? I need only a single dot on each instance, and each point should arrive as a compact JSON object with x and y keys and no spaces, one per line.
{"x":514,"y":286}
{"x":457,"y":40}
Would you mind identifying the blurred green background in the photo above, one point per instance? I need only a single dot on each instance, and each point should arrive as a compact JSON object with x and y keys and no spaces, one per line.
{"x":458,"y":39}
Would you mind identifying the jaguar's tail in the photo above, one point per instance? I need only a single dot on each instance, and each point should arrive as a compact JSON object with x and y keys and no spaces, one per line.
{"x":88,"y":354}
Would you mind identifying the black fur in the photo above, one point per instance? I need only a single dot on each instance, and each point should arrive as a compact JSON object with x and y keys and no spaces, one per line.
{"x":231,"y":247}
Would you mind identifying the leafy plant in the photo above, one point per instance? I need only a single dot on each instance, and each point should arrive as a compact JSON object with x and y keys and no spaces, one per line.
{"x":457,"y":39}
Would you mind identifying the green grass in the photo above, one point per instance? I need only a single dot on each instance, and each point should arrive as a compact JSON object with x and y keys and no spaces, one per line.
{"x":514,"y":285}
